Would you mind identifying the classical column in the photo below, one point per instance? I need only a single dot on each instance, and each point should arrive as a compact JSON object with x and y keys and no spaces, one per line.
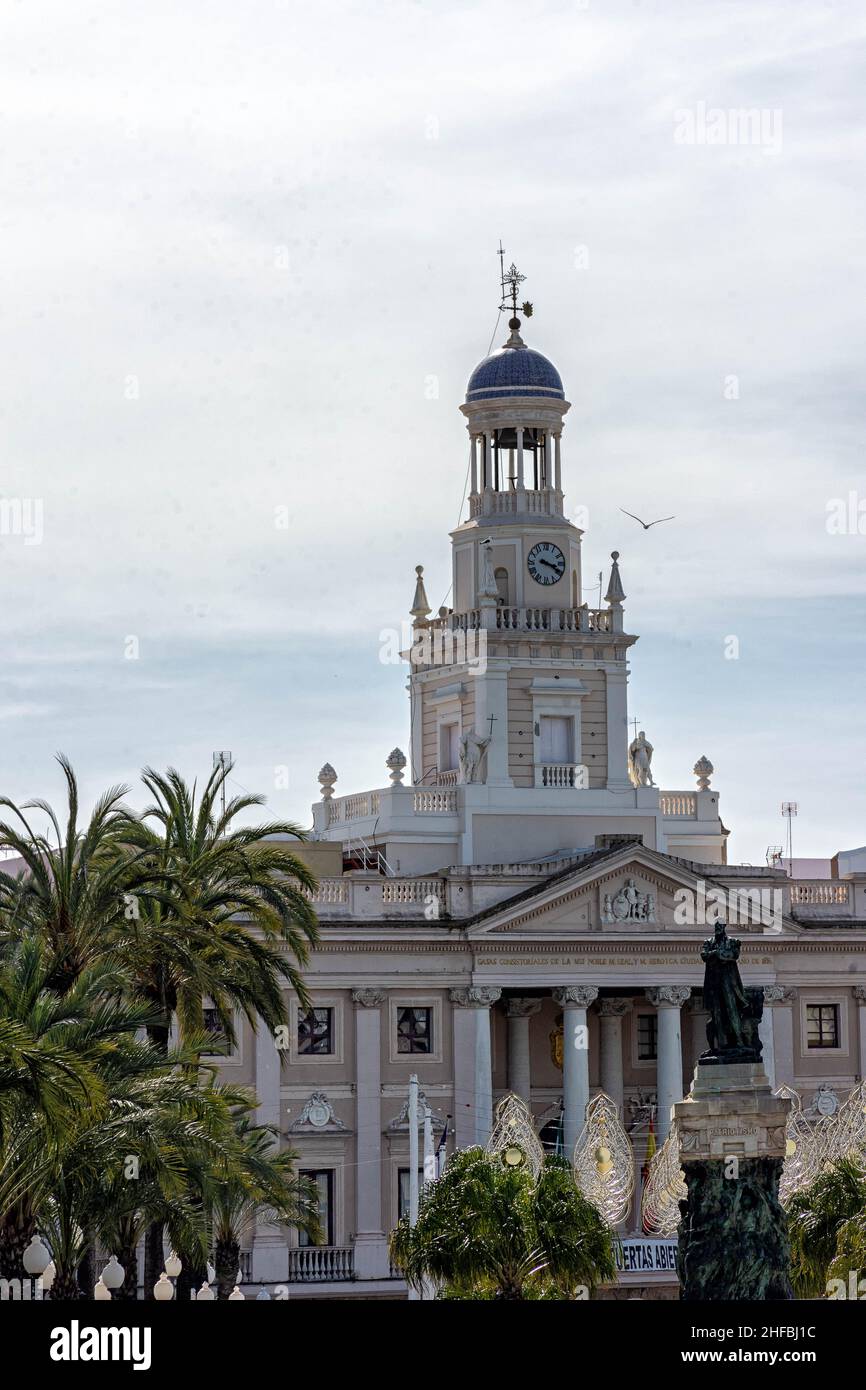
{"x":519,"y":1012}
{"x":574,"y":1000}
{"x":371,"y":1247}
{"x":780,"y":1001}
{"x":860,"y":996}
{"x":668,"y":1000}
{"x":611,"y":1013}
{"x":473,"y":454}
{"x":773,"y":994}
{"x":557,"y":462}
{"x":520,"y":482}
{"x":479,"y":1100}
{"x":698,"y":1018}
{"x":270,"y":1252}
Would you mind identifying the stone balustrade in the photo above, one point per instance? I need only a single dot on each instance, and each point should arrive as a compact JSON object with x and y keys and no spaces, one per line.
{"x":519,"y":501}
{"x":678,"y":804}
{"x":321,"y":1264}
{"x":506,"y":618}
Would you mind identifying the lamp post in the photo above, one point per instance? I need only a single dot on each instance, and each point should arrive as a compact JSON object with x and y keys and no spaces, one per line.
{"x":36,"y":1259}
{"x":163,"y":1289}
{"x":101,"y":1291}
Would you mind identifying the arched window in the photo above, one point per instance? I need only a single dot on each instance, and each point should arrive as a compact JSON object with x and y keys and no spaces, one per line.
{"x":501,"y":577}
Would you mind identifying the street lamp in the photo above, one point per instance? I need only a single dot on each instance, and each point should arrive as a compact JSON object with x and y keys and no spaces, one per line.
{"x":173,"y":1266}
{"x":48,"y":1277}
{"x":113,"y":1275}
{"x":205,"y":1294}
{"x":36,"y":1258}
{"x":101,"y":1292}
{"x":163,"y":1289}
{"x":236,"y":1296}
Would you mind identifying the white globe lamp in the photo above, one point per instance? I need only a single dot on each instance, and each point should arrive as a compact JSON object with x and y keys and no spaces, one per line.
{"x":36,"y":1258}
{"x":163,"y":1289}
{"x":101,"y":1292}
{"x":113,"y":1274}
{"x":173,"y":1266}
{"x":205,"y":1294}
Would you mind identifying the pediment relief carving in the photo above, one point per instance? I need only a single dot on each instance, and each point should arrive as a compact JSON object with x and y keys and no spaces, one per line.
{"x":632,"y":898}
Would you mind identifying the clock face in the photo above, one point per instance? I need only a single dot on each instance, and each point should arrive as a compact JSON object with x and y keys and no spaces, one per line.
{"x":546,"y":562}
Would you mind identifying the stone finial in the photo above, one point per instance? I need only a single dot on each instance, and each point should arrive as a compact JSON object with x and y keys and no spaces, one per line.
{"x":327,"y":778}
{"x":396,"y":761}
{"x":615,"y":592}
{"x":420,"y":609}
{"x":703,"y":770}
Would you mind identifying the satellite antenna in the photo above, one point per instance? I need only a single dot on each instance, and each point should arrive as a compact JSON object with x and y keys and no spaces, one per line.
{"x":773,"y":855}
{"x":789,"y":811}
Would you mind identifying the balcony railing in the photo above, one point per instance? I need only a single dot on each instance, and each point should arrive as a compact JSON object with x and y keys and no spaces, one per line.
{"x":561,"y":775}
{"x":510,"y":619}
{"x":321,"y":1264}
{"x":678,"y":804}
{"x":823,"y":893}
{"x":535,"y":501}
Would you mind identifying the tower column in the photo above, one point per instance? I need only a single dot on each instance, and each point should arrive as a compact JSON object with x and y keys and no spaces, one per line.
{"x":557,"y":462}
{"x":520,"y":483}
{"x":547,"y":459}
{"x":473,"y":457}
{"x":574,"y":1000}
{"x":668,"y":1000}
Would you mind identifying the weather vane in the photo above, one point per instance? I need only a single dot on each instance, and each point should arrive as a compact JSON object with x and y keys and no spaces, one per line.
{"x":510,"y":279}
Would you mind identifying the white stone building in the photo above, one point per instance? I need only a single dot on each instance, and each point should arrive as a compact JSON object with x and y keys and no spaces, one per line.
{"x":518,"y":875}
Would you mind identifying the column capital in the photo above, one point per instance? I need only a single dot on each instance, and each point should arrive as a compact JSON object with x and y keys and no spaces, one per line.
{"x":777,"y":994}
{"x":859,"y":993}
{"x":474,"y":997}
{"x":369,"y":998}
{"x":614,"y":1008}
{"x":668,"y":996}
{"x":580,"y":995}
{"x":522,"y":1008}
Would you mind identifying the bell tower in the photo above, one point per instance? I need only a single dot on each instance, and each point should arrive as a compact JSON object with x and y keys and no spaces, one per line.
{"x":521,"y":684}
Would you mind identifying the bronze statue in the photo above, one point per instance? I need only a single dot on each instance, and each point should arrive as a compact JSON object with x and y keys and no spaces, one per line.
{"x":735,"y":1012}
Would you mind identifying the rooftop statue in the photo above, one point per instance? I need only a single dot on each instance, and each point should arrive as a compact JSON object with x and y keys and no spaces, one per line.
{"x":735,"y":1012}
{"x":640,"y":756}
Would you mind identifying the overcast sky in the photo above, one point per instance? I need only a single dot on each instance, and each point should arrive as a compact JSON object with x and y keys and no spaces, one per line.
{"x":248,"y":262}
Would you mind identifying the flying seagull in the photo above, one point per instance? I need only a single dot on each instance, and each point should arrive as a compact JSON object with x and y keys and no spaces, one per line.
{"x":647,"y":524}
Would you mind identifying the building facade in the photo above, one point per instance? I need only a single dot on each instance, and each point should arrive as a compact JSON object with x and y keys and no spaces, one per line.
{"x":519,"y":882}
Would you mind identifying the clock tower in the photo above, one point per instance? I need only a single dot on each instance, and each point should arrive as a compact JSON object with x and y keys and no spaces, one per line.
{"x":521,"y":684}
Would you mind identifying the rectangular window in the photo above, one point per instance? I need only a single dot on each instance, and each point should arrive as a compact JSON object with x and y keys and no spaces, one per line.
{"x":403,"y":1190}
{"x":822,"y":1025}
{"x":449,"y":747}
{"x":415,"y":1030}
{"x":316,"y":1032}
{"x":324,"y":1180}
{"x":647,"y":1037}
{"x":556,"y":741}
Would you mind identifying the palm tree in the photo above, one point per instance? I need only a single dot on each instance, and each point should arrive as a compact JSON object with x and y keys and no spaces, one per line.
{"x":824,"y":1220}
{"x":488,"y":1231}
{"x":257,"y":1180}
{"x":234,"y":923}
{"x":72,"y":893}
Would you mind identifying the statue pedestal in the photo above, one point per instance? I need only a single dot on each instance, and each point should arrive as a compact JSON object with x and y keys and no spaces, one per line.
{"x":733,"y":1240}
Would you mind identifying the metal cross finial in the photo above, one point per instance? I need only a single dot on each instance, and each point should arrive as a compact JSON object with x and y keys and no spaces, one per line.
{"x":510,"y":280}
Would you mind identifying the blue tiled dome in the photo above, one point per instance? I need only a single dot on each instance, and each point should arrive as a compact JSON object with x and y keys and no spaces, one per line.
{"x":517,"y":371}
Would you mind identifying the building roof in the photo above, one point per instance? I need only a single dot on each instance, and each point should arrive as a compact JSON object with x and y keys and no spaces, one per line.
{"x":514,"y":371}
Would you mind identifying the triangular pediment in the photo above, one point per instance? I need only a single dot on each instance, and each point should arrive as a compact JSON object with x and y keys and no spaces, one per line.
{"x":634,"y":891}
